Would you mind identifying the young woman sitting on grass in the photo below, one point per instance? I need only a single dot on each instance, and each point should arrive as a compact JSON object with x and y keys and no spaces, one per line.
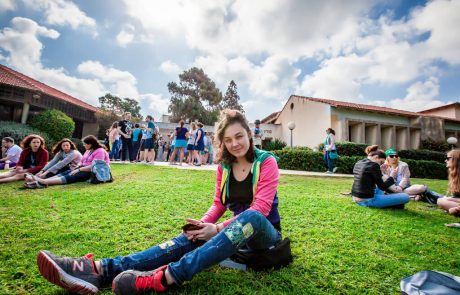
{"x":33,"y":158}
{"x":246,"y":183}
{"x":94,"y":151}
{"x":418,"y":192}
{"x":66,"y":157}
{"x":368,"y":188}
{"x":452,"y":205}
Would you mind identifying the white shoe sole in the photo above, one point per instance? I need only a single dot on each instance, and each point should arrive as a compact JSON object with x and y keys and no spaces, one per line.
{"x":56,"y":275}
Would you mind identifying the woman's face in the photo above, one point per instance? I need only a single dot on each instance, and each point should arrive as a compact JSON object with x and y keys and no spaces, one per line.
{"x":35,"y":144}
{"x":393,"y":159}
{"x":65,"y":146}
{"x":377,"y":160}
{"x":87,"y":146}
{"x":449,"y":161}
{"x":236,"y":140}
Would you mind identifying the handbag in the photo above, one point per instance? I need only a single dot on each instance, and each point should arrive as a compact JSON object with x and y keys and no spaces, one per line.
{"x":333,"y":155}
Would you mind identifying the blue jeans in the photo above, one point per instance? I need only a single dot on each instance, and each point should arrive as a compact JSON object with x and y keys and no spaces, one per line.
{"x":115,"y":151}
{"x":329,"y":161}
{"x":380,"y":200}
{"x":186,"y":258}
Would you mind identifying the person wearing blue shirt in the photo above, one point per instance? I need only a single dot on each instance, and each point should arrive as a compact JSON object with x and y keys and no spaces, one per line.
{"x":147,"y":151}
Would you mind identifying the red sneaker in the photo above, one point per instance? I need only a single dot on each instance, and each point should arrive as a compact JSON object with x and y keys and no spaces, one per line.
{"x":138,"y":282}
{"x":77,"y":275}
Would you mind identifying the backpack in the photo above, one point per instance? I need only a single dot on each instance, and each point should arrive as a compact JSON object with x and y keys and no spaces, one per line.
{"x":100,"y":172}
{"x":431,"y":282}
{"x":260,"y":260}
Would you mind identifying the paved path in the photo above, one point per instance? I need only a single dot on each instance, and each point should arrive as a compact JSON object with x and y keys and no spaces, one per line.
{"x":214,"y":167}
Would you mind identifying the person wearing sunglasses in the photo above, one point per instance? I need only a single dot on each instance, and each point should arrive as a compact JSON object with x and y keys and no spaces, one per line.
{"x":452,"y":204}
{"x":369,"y":186}
{"x":402,"y":181}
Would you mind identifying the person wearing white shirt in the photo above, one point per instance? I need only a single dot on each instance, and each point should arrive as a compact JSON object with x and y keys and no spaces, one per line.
{"x":12,"y":153}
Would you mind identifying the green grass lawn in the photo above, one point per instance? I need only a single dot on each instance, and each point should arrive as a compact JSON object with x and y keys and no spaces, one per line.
{"x":338,"y":246}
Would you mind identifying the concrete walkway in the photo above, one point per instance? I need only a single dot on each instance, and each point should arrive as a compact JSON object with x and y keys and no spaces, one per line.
{"x":214,"y":168}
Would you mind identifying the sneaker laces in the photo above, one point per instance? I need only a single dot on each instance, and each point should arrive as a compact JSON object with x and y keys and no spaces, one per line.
{"x":151,"y":282}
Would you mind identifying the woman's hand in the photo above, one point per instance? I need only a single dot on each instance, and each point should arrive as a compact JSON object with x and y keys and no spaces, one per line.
{"x":384,"y":168}
{"x":74,"y":172}
{"x":398,"y":189}
{"x":207,"y":231}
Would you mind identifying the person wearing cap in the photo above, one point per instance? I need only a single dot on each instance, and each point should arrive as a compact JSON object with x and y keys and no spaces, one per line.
{"x":369,"y":187}
{"x":257,"y":135}
{"x":418,"y":192}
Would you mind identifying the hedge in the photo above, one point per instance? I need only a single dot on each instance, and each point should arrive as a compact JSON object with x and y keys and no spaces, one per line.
{"x":313,"y":161}
{"x":346,"y":148}
{"x":18,"y":131}
{"x":272,"y":145}
{"x":423,"y":155}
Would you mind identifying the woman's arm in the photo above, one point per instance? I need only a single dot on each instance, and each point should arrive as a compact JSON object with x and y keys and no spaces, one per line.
{"x":64,"y":162}
{"x":198,"y":136}
{"x":405,"y":172}
{"x":376,"y":175}
{"x":217,"y":209}
{"x":56,"y":158}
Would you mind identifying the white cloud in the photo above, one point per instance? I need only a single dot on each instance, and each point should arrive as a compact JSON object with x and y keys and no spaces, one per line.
{"x":154,"y":104}
{"x":122,"y":83}
{"x":21,"y":41}
{"x":6,"y":5}
{"x":170,"y":68}
{"x":62,"y":12}
{"x":420,"y":96}
{"x":126,"y":35}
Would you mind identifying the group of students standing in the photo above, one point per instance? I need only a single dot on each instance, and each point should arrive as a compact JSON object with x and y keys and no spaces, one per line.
{"x":30,"y":161}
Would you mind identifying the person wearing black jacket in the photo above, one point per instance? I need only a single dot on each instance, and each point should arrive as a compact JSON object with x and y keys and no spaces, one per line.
{"x":369,"y":187}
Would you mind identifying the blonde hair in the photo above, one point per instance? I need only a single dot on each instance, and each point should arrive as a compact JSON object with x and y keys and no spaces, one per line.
{"x":454,"y":171}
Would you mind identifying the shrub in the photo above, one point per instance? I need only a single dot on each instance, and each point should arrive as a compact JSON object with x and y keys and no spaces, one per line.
{"x":439,"y":146}
{"x":346,"y":148}
{"x":313,"y":161}
{"x":57,"y":124}
{"x":18,"y":131}
{"x":426,"y":169}
{"x":423,"y":155}
{"x":298,"y":148}
{"x":272,"y":145}
{"x":300,"y":160}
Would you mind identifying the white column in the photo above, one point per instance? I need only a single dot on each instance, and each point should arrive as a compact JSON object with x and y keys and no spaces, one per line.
{"x":25,"y":113}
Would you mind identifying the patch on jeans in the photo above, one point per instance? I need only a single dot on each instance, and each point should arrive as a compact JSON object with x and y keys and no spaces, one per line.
{"x":235,"y":234}
{"x":166,"y":245}
{"x":248,"y":230}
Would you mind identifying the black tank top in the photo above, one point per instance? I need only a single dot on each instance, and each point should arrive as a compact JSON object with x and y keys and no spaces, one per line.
{"x":241,"y":191}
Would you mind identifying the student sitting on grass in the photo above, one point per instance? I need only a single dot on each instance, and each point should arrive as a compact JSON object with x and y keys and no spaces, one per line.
{"x":368,"y":188}
{"x":452,"y":205}
{"x":33,"y":158}
{"x":246,"y":183}
{"x":94,"y":151}
{"x":66,"y":157}
{"x":419,"y":192}
{"x":11,"y":153}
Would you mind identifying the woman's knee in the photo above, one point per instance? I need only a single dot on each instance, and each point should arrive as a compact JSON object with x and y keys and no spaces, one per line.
{"x":252,"y":216}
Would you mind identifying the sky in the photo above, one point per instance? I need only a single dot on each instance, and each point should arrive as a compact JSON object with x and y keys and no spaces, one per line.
{"x":394,"y":53}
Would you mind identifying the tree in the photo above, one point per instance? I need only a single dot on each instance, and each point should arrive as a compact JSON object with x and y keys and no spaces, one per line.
{"x":118,"y":106}
{"x":196,"y":97}
{"x":231,"y":98}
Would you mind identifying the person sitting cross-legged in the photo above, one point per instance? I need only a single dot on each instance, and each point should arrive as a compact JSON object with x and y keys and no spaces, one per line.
{"x":452,"y":205}
{"x":246,"y":183}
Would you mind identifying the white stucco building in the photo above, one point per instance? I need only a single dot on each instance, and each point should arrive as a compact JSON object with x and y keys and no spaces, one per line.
{"x":360,"y":123}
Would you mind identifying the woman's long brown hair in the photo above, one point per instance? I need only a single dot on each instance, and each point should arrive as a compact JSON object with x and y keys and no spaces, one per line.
{"x":454,"y":171}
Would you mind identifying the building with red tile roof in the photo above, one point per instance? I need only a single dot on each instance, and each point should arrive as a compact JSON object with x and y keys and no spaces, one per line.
{"x":22,"y":97}
{"x":360,"y":123}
